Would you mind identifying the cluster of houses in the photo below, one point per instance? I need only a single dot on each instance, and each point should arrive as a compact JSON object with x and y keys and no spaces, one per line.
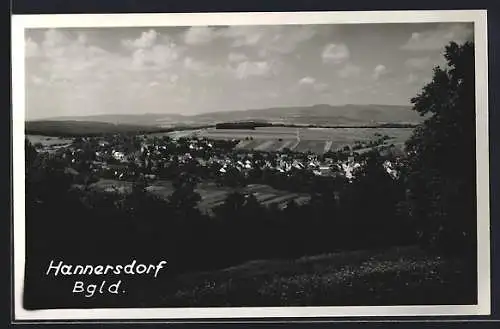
{"x":112,"y":161}
{"x":286,"y":163}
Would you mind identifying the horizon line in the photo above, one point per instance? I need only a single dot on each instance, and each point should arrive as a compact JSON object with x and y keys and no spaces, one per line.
{"x":210,"y":112}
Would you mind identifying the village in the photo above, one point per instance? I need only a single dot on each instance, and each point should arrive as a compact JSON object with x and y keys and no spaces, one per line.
{"x":160,"y":157}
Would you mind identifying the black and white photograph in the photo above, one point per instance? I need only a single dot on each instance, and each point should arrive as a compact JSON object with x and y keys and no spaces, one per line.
{"x":230,"y":165}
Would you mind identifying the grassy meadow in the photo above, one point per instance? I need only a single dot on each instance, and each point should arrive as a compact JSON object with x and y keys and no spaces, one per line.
{"x":397,"y":276}
{"x":317,"y":140}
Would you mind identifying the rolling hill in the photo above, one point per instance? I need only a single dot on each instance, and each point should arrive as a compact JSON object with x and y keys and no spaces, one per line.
{"x":69,"y":128}
{"x":320,"y":114}
{"x":147,"y":119}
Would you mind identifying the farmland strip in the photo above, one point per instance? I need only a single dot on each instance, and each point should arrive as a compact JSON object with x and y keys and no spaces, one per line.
{"x":303,"y":146}
{"x":294,"y":145}
{"x":264,"y":146}
{"x":214,"y":195}
{"x":255,"y":187}
{"x":213,"y":202}
{"x":328,"y":145}
{"x":285,"y":145}
{"x":265,"y":197}
{"x":242,"y":144}
{"x":281,"y":199}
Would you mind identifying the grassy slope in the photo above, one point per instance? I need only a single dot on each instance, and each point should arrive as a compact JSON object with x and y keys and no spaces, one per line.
{"x":322,"y":114}
{"x":400,"y":276}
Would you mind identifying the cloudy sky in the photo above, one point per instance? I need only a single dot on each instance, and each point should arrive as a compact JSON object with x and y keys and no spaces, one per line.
{"x":193,"y":70}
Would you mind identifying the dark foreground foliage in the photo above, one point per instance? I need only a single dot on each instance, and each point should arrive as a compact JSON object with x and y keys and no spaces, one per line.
{"x":398,"y":276}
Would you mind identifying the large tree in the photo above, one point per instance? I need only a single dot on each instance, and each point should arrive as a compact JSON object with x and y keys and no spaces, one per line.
{"x":442,"y":155}
{"x":184,"y":199}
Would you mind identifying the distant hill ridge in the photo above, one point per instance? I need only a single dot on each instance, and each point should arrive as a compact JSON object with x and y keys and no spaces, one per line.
{"x":319,"y":114}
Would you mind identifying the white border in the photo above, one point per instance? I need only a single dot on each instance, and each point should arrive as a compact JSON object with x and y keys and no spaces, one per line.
{"x":479,"y":17}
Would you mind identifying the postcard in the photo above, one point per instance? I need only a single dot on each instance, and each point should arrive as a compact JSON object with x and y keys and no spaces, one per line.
{"x":292,"y":165}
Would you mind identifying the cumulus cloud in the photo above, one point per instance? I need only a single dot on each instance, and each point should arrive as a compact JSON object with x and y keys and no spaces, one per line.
{"x":150,"y":51}
{"x":146,"y":40}
{"x":149,"y":71}
{"x":253,"y":69}
{"x":31,"y":48}
{"x":64,"y":58}
{"x":310,"y":83}
{"x":418,"y":63}
{"x":192,"y":64}
{"x":237,"y":57}
{"x":269,"y":40}
{"x":200,"y":35}
{"x":307,"y":81}
{"x":68,"y":74}
{"x":379,"y":71}
{"x":438,"y":38}
{"x":335,"y":53}
{"x":350,"y":71}
{"x":83,"y":78}
{"x":54,"y":39}
{"x":208,"y":69}
{"x":244,"y":35}
{"x":157,"y":57}
{"x":202,"y":68}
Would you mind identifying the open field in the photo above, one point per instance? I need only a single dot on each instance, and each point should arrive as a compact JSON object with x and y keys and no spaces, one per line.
{"x":317,"y":140}
{"x":398,"y":276}
{"x":47,"y":140}
{"x":211,"y":194}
